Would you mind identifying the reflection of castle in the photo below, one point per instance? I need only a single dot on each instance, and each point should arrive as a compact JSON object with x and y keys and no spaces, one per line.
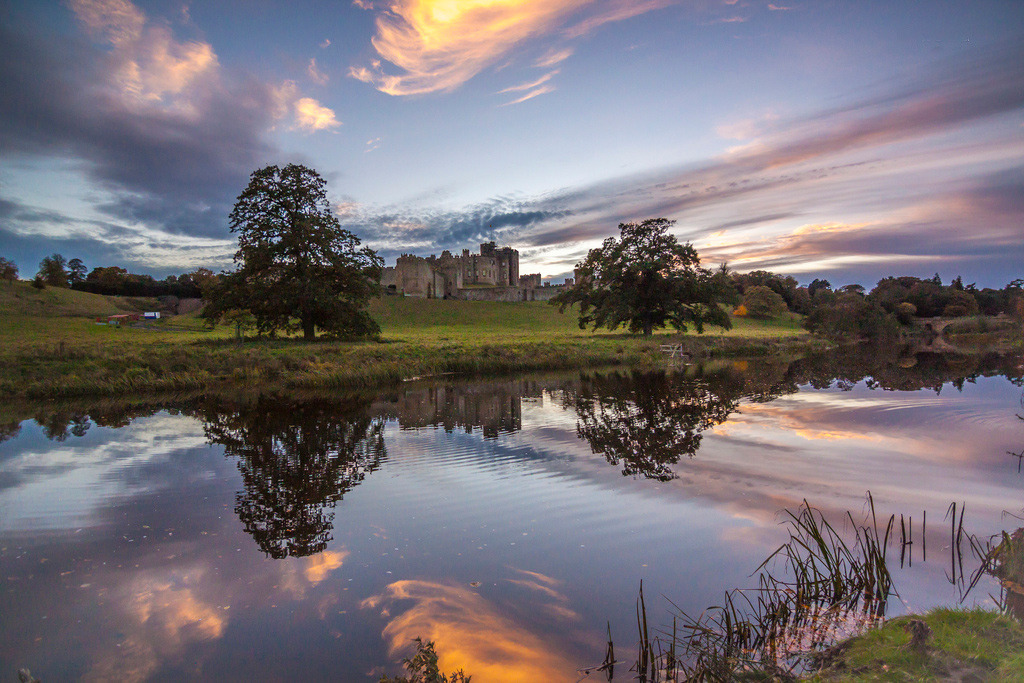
{"x":494,"y":407}
{"x":491,"y":275}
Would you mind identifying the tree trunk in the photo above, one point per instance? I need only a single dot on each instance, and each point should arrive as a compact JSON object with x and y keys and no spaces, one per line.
{"x":648,"y":329}
{"x":308,"y":332}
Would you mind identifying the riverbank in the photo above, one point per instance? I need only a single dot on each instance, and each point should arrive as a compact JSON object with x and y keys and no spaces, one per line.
{"x":942,"y":645}
{"x":51,"y":346}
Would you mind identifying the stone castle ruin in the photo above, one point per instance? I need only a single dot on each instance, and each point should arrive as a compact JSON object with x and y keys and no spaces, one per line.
{"x":491,"y":275}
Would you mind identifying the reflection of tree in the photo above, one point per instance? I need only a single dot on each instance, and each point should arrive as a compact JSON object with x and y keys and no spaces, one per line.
{"x":9,"y":430}
{"x":297,"y":460}
{"x":647,"y":421}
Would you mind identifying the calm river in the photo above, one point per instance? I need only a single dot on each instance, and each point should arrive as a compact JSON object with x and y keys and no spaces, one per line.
{"x":509,"y":521}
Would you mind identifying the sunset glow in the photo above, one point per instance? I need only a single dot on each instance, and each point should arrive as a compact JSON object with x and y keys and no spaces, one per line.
{"x":842,"y":142}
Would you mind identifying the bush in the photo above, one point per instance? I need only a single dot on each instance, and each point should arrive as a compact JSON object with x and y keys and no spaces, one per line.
{"x":954,"y":311}
{"x":8,"y":270}
{"x":762,"y":302}
{"x":850,"y":317}
{"x":905,"y":312}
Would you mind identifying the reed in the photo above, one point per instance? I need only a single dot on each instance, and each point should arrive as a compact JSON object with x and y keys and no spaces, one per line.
{"x":815,"y":587}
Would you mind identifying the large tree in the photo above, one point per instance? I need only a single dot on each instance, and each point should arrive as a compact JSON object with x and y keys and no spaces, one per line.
{"x":298,"y":269}
{"x":76,"y":271}
{"x":645,"y":280}
{"x":53,"y":271}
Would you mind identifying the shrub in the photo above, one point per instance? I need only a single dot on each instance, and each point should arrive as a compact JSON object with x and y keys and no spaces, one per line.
{"x":8,"y":270}
{"x":954,"y":311}
{"x":905,"y":312}
{"x":762,"y":302}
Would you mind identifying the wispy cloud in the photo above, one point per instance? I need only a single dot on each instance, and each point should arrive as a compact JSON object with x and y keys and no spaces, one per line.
{"x":315,"y":75}
{"x":616,"y":10}
{"x":552,"y":57}
{"x":543,"y":90}
{"x":437,"y":45}
{"x":531,"y":85}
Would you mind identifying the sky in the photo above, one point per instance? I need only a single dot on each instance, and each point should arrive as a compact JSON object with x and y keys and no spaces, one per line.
{"x":816,"y":138}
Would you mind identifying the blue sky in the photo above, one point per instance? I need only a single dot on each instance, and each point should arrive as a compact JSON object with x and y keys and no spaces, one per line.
{"x":847,"y":140}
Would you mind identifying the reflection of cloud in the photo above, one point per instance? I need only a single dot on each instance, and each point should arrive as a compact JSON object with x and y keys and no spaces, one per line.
{"x":472,"y":634}
{"x":163,"y":616}
{"x":319,"y":566}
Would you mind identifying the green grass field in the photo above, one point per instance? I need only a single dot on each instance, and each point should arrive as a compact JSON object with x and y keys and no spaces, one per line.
{"x":50,"y":345}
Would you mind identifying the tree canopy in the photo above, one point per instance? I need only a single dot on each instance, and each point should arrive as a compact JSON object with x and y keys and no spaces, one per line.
{"x":8,"y":270}
{"x":298,"y":269}
{"x":645,"y":280}
{"x":53,"y":271}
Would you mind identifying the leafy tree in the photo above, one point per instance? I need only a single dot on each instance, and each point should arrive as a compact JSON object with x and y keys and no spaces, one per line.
{"x":53,"y":271}
{"x":76,"y":271}
{"x":297,"y":460}
{"x":108,"y":280}
{"x":298,"y":269}
{"x":816,"y":284}
{"x":8,"y":270}
{"x":647,"y":422}
{"x":762,"y":302}
{"x":644,"y":281}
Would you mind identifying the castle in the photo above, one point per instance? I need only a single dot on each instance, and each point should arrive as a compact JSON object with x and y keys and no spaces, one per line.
{"x":491,"y":275}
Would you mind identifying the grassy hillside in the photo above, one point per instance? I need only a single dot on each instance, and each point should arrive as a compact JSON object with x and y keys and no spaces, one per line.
{"x":50,"y":346}
{"x":20,"y":299}
{"x":432,"y":320}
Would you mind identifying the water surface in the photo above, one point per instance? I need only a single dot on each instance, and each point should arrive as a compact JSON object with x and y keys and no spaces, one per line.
{"x":312,"y":537}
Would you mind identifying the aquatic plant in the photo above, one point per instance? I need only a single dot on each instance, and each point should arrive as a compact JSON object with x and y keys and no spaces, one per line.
{"x":423,"y":668}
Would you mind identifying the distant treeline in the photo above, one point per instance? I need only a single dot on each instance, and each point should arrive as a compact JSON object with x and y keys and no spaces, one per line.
{"x":852,"y":312}
{"x":56,"y":271}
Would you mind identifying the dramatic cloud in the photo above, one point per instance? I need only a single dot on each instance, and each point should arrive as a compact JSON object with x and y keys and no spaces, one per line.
{"x":879,"y":185}
{"x":438,"y":45}
{"x":165,"y":137}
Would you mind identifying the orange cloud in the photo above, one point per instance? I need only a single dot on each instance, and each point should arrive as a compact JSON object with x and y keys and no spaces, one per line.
{"x":472,"y":634}
{"x":319,"y":566}
{"x":312,"y":116}
{"x":437,"y":45}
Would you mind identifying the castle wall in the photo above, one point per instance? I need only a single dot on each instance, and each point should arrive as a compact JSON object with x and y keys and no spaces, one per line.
{"x":509,"y":293}
{"x":494,"y":270}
